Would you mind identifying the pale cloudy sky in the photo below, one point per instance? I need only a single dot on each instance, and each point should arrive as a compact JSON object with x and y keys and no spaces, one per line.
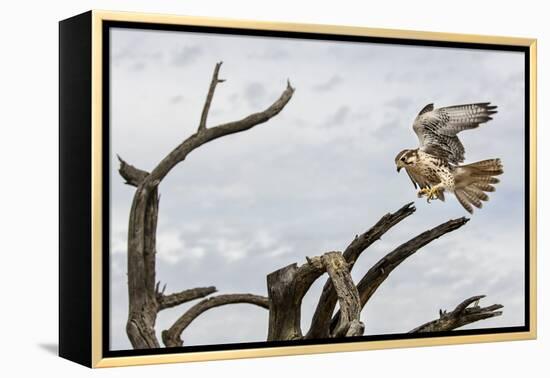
{"x":313,"y":177}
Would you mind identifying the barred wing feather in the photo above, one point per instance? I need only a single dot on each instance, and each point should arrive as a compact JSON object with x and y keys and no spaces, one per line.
{"x":437,"y":129}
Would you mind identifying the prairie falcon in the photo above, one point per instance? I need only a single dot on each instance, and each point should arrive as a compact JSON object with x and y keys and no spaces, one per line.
{"x":434,"y":166}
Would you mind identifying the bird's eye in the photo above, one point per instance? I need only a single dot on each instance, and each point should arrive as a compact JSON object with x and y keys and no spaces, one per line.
{"x":403,"y":158}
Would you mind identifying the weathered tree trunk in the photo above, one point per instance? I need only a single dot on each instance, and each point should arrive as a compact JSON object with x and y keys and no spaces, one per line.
{"x":286,"y":286}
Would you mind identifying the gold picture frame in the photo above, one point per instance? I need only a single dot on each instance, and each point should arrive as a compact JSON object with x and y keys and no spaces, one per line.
{"x":82,"y":267}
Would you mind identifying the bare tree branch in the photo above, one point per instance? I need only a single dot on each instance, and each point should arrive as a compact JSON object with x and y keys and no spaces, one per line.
{"x":365,"y":240}
{"x":133,"y":176}
{"x":208,"y":101}
{"x":325,"y":307}
{"x":382,"y":269}
{"x":208,"y":134}
{"x":463,"y":314}
{"x":350,"y":307}
{"x":356,"y":328}
{"x":172,"y":336}
{"x":175,"y":299}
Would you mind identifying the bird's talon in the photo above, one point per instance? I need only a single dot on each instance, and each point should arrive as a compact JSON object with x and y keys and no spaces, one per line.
{"x":422,"y":192}
{"x":432,"y":193}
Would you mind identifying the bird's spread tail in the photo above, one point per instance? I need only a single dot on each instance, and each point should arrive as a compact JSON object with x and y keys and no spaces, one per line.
{"x":473,"y":180}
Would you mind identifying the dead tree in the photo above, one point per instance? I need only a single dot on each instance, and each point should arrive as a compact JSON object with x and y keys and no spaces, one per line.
{"x":287,"y":286}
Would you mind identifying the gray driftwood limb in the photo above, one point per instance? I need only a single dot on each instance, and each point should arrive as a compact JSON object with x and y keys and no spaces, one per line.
{"x":175,"y":299}
{"x":213,"y":83}
{"x":462,"y":315}
{"x":143,"y":295}
{"x":349,"y":323}
{"x":172,"y":336}
{"x":133,"y":176}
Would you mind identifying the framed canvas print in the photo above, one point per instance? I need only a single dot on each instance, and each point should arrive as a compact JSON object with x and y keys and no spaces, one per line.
{"x":235,"y":189}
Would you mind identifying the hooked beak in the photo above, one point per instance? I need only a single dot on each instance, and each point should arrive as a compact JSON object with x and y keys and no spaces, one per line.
{"x":399,"y":168}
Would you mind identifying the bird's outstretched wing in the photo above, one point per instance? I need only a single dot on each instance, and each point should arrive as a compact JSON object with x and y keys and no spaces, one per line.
{"x":437,"y":129}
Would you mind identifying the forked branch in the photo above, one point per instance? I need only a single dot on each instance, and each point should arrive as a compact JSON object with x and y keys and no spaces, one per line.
{"x":376,"y":275}
{"x":145,"y":301}
{"x":205,"y":135}
{"x":462,"y":315}
{"x":214,"y":82}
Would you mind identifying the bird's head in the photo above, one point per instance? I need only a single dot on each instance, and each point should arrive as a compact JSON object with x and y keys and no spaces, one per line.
{"x":405,"y":158}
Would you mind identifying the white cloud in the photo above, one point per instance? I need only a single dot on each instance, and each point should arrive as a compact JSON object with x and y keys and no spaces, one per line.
{"x":330,"y":84}
{"x":231,"y":250}
{"x":170,"y":247}
{"x":186,"y":55}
